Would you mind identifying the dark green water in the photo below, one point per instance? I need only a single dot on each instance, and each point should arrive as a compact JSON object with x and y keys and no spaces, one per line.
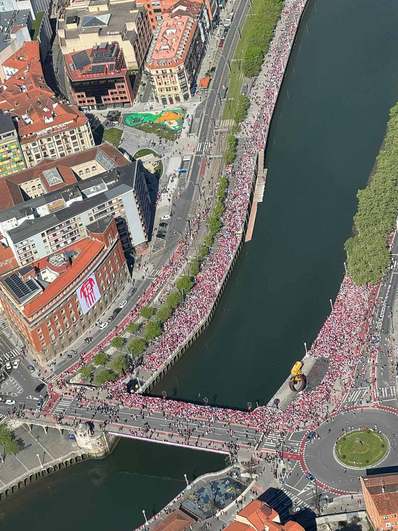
{"x":330,"y":122}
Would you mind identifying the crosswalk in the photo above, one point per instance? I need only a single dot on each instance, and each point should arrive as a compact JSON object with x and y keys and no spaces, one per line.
{"x":358,"y":395}
{"x":62,"y":406}
{"x":203,"y":147}
{"x":388,"y":392}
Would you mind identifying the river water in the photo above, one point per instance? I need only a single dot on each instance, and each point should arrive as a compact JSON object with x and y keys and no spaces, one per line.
{"x":330,"y":121}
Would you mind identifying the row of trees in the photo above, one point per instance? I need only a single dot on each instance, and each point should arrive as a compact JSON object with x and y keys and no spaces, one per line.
{"x":255,"y":38}
{"x":367,"y":251}
{"x":105,"y":368}
{"x":259,"y":28}
{"x":157,"y":317}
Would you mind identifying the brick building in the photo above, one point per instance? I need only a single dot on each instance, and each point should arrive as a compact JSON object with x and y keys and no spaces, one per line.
{"x":53,"y":301}
{"x":99,"y":77}
{"x":380,"y":493}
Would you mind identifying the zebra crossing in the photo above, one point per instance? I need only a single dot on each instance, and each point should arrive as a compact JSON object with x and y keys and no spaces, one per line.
{"x":63,"y":405}
{"x":203,"y":147}
{"x":388,"y":392}
{"x":8,"y":356}
{"x":358,"y":395}
{"x":11,"y":387}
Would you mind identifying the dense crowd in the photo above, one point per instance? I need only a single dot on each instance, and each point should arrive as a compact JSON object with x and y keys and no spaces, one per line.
{"x":342,"y":336}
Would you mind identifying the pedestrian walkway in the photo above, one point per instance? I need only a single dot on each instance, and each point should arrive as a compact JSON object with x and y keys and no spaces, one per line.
{"x":63,"y":406}
{"x":358,"y":395}
{"x":387,"y":393}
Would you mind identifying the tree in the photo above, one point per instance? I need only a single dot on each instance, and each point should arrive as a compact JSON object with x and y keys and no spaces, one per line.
{"x":194,"y":267}
{"x":184,"y":284}
{"x":174,"y":299}
{"x":101,"y":358}
{"x":119,"y":363}
{"x":152,"y":330}
{"x":103,"y":376}
{"x":368,"y":256}
{"x":147,"y":312}
{"x":137,"y":346}
{"x":7,"y":440}
{"x":164,"y":313}
{"x":86,"y":372}
{"x":118,"y":342}
{"x":133,"y":328}
{"x":242,"y":108}
{"x":231,"y":151}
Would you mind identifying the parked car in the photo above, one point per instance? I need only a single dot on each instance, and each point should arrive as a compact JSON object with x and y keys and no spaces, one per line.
{"x":15,"y":363}
{"x":8,"y":366}
{"x":88,"y":339}
{"x":40,"y":387}
{"x":123,"y":304}
{"x":31,"y":368}
{"x":10,"y":402}
{"x":103,"y":325}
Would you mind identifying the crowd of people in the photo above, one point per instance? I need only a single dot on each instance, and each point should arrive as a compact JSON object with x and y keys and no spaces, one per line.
{"x":342,"y":336}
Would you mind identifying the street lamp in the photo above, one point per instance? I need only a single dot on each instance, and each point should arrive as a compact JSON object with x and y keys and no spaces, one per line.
{"x":146,"y":519}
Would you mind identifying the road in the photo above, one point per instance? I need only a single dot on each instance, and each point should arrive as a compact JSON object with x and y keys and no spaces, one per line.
{"x":209,"y":113}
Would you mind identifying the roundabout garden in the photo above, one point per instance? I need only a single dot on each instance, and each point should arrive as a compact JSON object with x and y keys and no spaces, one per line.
{"x":361,"y":448}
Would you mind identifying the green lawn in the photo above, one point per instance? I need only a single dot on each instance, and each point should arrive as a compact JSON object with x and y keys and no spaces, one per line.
{"x":253,"y":44}
{"x":361,"y":448}
{"x":113,"y":136}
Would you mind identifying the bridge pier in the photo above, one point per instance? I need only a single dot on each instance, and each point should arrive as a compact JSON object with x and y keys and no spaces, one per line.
{"x":94,"y":442}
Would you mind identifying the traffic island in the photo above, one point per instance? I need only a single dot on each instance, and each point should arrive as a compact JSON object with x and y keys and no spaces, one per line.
{"x":361,"y":449}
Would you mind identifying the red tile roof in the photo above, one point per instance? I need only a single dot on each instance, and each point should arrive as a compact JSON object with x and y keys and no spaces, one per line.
{"x":88,"y":249}
{"x":175,"y":521}
{"x":26,"y":95}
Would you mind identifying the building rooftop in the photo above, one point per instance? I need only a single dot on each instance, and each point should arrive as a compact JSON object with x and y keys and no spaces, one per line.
{"x":105,"y":60}
{"x":86,"y":195}
{"x":172,"y":41}
{"x":258,"y":516}
{"x":57,"y":174}
{"x":26,"y":96}
{"x":112,"y":18}
{"x":10,"y":23}
{"x":47,"y":278}
{"x":175,"y":521}
{"x":384,"y":492}
{"x":6,"y":123}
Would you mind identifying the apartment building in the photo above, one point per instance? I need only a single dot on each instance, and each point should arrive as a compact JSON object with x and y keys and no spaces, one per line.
{"x":11,"y":158}
{"x":54,"y":300}
{"x":89,"y":23}
{"x":47,"y":127}
{"x":175,"y":56}
{"x":38,"y":227}
{"x":99,"y":77}
{"x":156,"y":9}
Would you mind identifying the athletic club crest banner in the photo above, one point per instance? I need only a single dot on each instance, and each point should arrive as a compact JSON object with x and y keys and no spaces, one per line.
{"x":88,"y":294}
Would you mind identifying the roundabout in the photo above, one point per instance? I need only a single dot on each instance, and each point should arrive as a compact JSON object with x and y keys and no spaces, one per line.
{"x":344,"y":433}
{"x":360,"y":449}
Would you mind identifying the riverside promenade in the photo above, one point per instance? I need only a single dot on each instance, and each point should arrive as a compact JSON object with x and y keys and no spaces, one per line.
{"x":192,"y":317}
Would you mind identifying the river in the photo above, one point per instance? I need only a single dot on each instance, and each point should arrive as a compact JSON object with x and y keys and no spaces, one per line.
{"x":329,"y":124}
